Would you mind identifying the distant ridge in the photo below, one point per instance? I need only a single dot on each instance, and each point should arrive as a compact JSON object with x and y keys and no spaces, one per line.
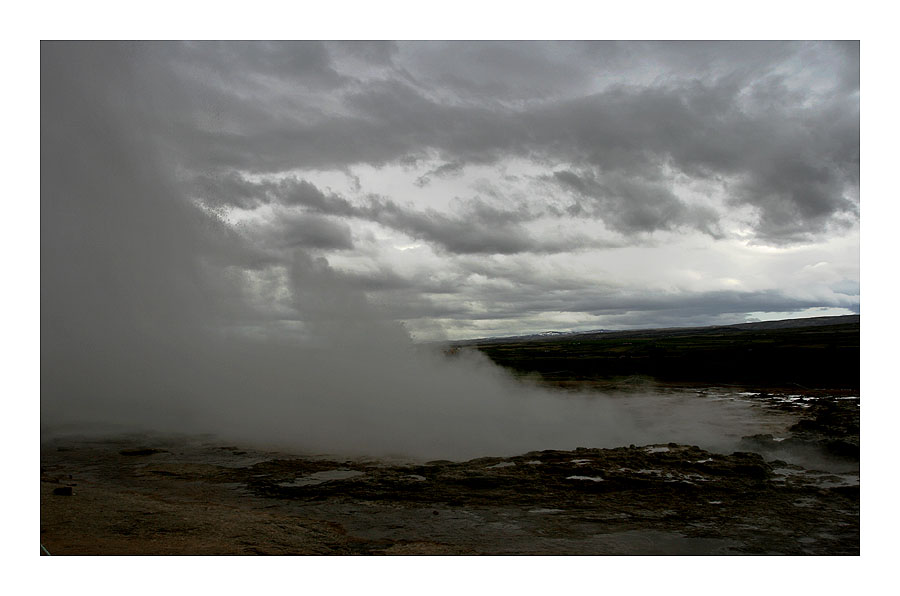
{"x":820,"y":353}
{"x":791,"y":323}
{"x":758,"y":325}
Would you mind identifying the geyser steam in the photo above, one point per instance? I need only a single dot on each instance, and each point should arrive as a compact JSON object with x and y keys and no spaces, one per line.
{"x":145,"y":303}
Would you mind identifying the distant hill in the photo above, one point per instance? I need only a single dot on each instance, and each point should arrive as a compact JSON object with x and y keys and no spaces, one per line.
{"x":814,"y":353}
{"x":780,"y":324}
{"x":793,"y":323}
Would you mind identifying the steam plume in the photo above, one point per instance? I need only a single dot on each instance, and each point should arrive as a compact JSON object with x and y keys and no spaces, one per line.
{"x":144,"y":308}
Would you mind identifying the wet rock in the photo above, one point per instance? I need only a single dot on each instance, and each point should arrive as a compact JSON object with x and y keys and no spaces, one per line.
{"x":63,"y":491}
{"x":850,"y":492}
{"x":843,"y":448}
{"x":139,"y":452}
{"x":831,"y":418}
{"x":751,"y":465}
{"x":588,"y":501}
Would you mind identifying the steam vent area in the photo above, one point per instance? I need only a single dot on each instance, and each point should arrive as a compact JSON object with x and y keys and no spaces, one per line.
{"x":757,"y":469}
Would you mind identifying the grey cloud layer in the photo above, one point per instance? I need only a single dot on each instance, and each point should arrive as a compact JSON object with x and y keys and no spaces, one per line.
{"x":607,"y":127}
{"x":478,"y":228}
{"x":641,"y":307}
{"x":733,"y":112}
{"x":629,"y":204}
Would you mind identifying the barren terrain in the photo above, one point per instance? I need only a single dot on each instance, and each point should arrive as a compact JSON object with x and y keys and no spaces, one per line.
{"x":148,"y":494}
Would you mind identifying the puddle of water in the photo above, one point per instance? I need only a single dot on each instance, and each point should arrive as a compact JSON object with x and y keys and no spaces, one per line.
{"x":591,"y":478}
{"x":503,"y":464}
{"x":655,"y":542}
{"x":322,"y":477}
{"x":657,"y":449}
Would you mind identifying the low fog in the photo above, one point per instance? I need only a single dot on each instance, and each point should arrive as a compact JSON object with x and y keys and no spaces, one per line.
{"x":149,"y":318}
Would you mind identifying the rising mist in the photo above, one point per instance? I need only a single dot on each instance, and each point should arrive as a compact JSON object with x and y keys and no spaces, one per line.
{"x":147,"y":321}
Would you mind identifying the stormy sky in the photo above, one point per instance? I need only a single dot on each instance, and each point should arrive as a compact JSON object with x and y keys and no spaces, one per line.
{"x":279,"y":191}
{"x":470,"y":189}
{"x":242,"y":238}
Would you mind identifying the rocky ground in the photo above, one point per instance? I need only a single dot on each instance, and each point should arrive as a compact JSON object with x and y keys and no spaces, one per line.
{"x":797,"y":493}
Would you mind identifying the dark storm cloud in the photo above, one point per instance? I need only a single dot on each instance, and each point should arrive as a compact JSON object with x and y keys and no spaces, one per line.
{"x":475,"y":228}
{"x":630,"y":204}
{"x":455,"y":234}
{"x":803,"y":165}
{"x":292,"y":230}
{"x":376,"y":123}
{"x":230,"y":189}
{"x":480,"y":228}
{"x":729,"y":113}
{"x":747,"y":114}
{"x":535,"y":71}
{"x":370,"y":52}
{"x":258,"y":63}
{"x":453,"y":168}
{"x":799,"y":186}
{"x":775,"y":126}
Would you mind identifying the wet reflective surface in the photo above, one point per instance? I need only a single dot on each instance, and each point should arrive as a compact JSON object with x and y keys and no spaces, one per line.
{"x":156,"y":494}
